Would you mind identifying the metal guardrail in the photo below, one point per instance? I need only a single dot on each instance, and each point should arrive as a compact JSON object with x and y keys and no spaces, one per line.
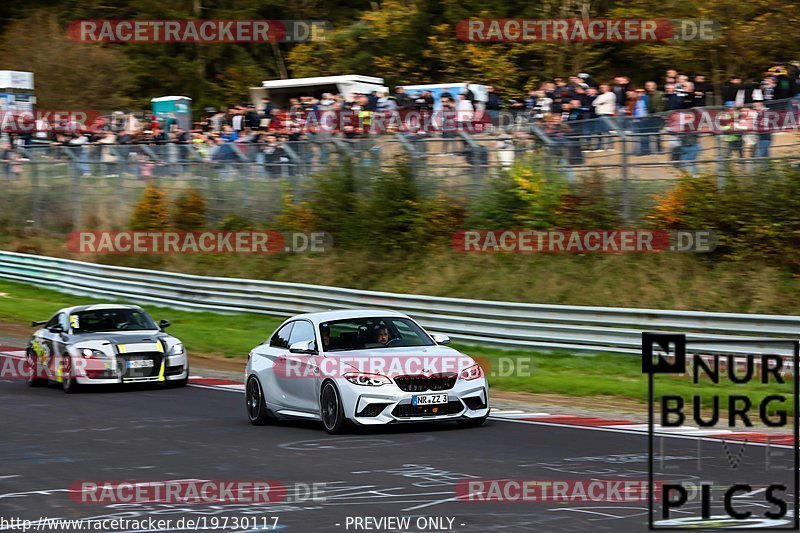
{"x":492,"y":323}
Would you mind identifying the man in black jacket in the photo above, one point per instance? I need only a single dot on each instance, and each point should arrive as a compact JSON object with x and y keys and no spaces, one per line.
{"x":672,"y":100}
{"x":402,"y":99}
{"x":701,"y":90}
{"x":251,"y":117}
{"x":620,"y":90}
{"x":274,"y":156}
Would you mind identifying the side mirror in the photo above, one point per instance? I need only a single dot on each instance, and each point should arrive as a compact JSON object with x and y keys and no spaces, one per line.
{"x":163,"y":324}
{"x":440,"y":338}
{"x":55,"y":329}
{"x":304,"y":347}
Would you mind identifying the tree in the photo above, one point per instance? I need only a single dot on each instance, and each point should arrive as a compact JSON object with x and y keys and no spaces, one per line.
{"x":67,"y":74}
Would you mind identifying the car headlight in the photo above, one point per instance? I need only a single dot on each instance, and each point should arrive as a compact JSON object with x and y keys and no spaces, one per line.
{"x":89,"y":353}
{"x":177,"y":349}
{"x":473,"y":372}
{"x":367,"y":380}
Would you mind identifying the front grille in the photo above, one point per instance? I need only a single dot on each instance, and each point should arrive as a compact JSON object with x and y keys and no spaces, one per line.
{"x":407,"y":410}
{"x":372,"y":410}
{"x":475,"y":402}
{"x":419,"y":383}
{"x":146,"y":372}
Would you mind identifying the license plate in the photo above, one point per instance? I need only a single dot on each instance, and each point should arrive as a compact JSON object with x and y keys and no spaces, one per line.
{"x":143,"y":363}
{"x":428,"y":399}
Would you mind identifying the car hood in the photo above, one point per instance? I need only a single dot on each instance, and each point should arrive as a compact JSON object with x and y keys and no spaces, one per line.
{"x":123,"y":337}
{"x":402,"y":361}
{"x":126,"y":341}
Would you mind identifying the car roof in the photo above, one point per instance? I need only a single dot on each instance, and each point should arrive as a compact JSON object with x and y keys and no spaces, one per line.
{"x":96,"y":307}
{"x":343,"y":314}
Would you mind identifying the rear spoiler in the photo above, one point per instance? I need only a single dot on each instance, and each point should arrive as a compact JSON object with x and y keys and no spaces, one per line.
{"x":39,"y":323}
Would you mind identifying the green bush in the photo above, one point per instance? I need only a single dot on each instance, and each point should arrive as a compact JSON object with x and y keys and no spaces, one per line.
{"x":190,"y":211}
{"x":754,"y":216}
{"x":151,"y":213}
{"x":531,"y":196}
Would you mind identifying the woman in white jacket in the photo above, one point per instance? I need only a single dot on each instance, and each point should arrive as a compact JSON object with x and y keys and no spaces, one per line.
{"x":465,"y":112}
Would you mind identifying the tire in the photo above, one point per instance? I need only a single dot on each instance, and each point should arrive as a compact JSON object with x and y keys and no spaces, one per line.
{"x":472,"y":422}
{"x":330,"y":409}
{"x":256,"y":407}
{"x":32,"y":363}
{"x":68,"y":381}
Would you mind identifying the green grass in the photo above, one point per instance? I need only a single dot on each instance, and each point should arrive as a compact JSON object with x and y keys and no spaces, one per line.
{"x":231,"y":336}
{"x":228,"y":336}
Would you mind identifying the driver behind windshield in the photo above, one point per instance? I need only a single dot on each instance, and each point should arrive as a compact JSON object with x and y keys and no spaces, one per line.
{"x":325,"y":331}
{"x":382,"y":334}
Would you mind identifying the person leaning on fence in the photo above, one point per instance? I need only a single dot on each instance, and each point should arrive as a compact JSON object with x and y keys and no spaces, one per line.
{"x":274,"y":156}
{"x":655,"y":106}
{"x":605,"y":107}
{"x":731,"y":136}
{"x":763,"y":129}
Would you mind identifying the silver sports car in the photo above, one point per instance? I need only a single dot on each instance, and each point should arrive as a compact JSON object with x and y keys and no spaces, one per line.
{"x":365,"y":367}
{"x":104,"y":344}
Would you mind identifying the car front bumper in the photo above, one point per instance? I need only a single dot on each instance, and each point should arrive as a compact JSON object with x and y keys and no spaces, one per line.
{"x":107,"y":372}
{"x":388,"y":404}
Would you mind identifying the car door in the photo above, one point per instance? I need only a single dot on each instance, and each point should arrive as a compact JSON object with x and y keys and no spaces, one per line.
{"x":299,"y":380}
{"x":273,"y":353}
{"x":50,"y":346}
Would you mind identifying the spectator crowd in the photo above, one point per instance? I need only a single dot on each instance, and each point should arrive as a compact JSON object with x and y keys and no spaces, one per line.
{"x":562,"y":109}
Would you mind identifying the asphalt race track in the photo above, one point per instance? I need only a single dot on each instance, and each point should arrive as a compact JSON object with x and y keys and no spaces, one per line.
{"x":51,"y":440}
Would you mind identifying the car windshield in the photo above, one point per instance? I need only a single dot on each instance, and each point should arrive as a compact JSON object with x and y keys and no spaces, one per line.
{"x":371,"y":333}
{"x":111,"y":320}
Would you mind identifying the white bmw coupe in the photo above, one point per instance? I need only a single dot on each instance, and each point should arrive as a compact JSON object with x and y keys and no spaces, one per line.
{"x":364,"y":367}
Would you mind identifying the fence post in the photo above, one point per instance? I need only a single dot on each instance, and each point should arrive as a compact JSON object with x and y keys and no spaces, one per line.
{"x":549,"y":147}
{"x":721,"y":163}
{"x":616,"y":129}
{"x":477,"y":156}
{"x":36,"y":204}
{"x":297,"y":163}
{"x":77,"y":214}
{"x":413,"y":155}
{"x":75,"y":171}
